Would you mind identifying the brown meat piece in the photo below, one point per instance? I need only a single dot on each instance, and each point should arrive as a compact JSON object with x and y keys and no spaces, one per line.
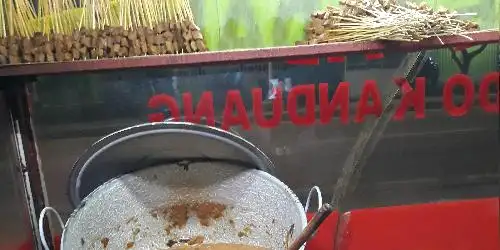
{"x":132,"y":35}
{"x":3,"y":50}
{"x":39,"y":57}
{"x":200,"y":45}
{"x":14,"y":59}
{"x":48,"y":48}
{"x":123,"y":51}
{"x":3,"y":60}
{"x":50,"y":57}
{"x":196,"y":35}
{"x":170,"y":47}
{"x":13,"y":50}
{"x":68,"y":56}
{"x":27,"y":46}
{"x":86,"y":41}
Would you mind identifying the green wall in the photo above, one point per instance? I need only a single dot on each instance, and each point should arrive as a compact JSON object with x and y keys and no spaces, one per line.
{"x":232,"y":24}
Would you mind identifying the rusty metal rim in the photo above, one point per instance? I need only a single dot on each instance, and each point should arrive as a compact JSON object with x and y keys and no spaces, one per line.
{"x":247,"y":55}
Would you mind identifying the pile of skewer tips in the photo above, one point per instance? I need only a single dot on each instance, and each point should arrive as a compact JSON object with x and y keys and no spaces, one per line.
{"x":370,"y":20}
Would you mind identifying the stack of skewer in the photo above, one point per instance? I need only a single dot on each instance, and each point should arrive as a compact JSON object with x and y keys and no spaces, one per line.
{"x":59,"y":30}
{"x":369,"y":20}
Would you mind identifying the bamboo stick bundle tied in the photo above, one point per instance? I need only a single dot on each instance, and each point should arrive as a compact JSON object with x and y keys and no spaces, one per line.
{"x":59,"y":30}
{"x":368,"y":20}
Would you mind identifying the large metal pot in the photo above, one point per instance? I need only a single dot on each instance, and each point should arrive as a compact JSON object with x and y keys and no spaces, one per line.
{"x":259,"y":209}
{"x":126,"y":185}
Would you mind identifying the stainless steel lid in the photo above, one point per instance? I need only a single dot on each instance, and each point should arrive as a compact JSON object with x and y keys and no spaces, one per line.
{"x":152,"y":144}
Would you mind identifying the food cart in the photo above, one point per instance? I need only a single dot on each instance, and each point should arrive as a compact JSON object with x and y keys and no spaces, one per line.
{"x":404,"y":169}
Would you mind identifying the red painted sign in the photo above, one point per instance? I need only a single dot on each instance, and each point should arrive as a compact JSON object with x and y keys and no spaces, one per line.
{"x":370,"y":103}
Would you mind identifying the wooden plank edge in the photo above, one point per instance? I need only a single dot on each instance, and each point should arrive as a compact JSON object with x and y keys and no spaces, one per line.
{"x":246,"y":55}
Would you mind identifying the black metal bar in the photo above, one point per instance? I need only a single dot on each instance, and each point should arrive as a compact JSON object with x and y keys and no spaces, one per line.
{"x":18,"y":103}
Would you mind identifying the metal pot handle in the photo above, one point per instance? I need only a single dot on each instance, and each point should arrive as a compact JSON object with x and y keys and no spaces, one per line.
{"x":40,"y":224}
{"x":320,"y":198}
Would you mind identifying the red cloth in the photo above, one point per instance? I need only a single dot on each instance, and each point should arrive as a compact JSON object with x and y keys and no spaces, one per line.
{"x":461,"y":225}
{"x":323,"y":238}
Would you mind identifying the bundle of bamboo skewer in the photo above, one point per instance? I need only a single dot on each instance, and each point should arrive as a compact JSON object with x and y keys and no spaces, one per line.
{"x":59,"y":30}
{"x":369,"y":20}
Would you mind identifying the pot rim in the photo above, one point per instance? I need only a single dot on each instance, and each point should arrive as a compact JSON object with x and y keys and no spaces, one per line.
{"x":258,"y":157}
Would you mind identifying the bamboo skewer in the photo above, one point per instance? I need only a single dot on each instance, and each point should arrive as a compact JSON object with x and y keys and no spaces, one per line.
{"x":3,"y":28}
{"x":59,"y":30}
{"x":363,"y":20}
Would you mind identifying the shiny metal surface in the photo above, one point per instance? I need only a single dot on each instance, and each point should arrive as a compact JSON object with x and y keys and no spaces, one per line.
{"x":15,"y":228}
{"x":145,"y":145}
{"x":254,"y":199}
{"x":432,"y":159}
